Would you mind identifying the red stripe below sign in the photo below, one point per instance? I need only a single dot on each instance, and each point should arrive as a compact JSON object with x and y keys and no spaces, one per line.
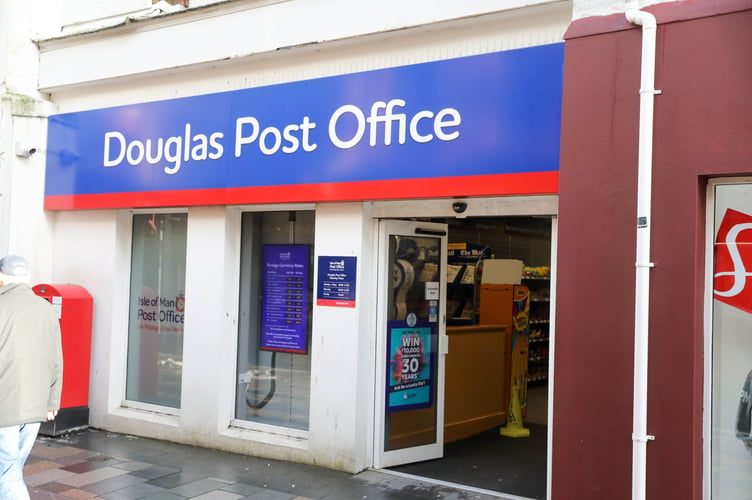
{"x":476,"y":185}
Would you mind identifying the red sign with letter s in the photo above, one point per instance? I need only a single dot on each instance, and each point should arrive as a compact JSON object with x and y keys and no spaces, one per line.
{"x":733,"y":261}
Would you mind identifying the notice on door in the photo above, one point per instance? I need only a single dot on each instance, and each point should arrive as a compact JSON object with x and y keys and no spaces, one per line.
{"x":284,"y":316}
{"x":410,"y":365}
{"x":336,"y":283}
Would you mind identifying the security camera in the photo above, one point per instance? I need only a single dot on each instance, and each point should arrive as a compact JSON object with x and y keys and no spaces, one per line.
{"x":25,"y":150}
{"x":459,"y":207}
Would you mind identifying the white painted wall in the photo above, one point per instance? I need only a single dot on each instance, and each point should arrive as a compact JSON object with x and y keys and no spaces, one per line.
{"x":243,"y":30}
{"x":208,"y":334}
{"x":342,"y":346}
{"x":516,"y":29}
{"x":88,"y":252}
{"x":81,"y":11}
{"x":24,"y":229}
{"x":590,"y":8}
{"x":28,"y":228}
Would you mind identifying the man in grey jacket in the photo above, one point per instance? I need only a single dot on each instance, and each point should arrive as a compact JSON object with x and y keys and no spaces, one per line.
{"x":31,"y":371}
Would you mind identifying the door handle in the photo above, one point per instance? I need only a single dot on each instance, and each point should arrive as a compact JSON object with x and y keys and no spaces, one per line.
{"x":431,"y":232}
{"x":443,"y":344}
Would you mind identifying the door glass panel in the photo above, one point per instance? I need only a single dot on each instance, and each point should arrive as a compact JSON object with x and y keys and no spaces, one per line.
{"x":412,"y":323}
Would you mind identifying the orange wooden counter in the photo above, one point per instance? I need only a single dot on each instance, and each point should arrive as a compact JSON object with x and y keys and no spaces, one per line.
{"x":476,"y":389}
{"x":477,"y":380}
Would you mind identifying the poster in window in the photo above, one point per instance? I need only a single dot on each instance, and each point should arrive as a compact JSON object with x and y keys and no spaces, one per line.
{"x":410,"y":365}
{"x":284,"y":300}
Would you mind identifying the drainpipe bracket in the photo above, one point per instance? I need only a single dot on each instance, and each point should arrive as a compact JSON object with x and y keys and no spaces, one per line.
{"x":643,"y":439}
{"x":651,"y":91}
{"x":642,"y":264}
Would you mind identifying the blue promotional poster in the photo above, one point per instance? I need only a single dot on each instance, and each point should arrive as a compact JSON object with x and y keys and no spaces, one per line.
{"x":336,"y":283}
{"x":284,"y":306}
{"x":411,"y":365}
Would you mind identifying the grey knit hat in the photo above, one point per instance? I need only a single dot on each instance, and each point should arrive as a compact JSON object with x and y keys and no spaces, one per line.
{"x":13,"y":265}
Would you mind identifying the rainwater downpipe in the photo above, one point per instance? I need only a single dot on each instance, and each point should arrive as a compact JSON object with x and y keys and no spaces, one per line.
{"x":640,"y":436}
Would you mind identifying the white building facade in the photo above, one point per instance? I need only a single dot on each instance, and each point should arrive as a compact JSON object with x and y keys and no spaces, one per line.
{"x":227,"y":47}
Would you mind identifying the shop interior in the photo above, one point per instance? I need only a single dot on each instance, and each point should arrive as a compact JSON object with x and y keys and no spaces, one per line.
{"x":496,"y":395}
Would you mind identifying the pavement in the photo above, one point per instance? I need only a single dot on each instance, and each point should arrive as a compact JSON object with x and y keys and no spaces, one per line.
{"x":100,"y":464}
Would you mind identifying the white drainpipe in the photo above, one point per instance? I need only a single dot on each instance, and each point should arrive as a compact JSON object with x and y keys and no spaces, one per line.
{"x":640,"y":436}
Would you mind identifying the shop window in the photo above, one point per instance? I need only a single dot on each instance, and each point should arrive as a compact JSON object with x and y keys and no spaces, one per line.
{"x":157,"y":304}
{"x":731,"y":340}
{"x":274,"y":324}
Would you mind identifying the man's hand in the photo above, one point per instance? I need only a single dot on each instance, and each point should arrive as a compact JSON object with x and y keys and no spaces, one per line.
{"x":51,"y":414}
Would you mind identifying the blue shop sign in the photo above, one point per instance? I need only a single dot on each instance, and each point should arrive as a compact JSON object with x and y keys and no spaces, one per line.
{"x":485,"y":124}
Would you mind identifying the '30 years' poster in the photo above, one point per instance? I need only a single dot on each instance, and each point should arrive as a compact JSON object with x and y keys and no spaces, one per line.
{"x":411,"y":347}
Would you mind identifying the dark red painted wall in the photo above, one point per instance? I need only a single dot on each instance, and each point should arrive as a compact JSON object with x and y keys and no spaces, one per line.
{"x":703,"y":127}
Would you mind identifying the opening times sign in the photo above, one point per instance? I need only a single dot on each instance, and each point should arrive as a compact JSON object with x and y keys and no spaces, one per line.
{"x":336,"y":286}
{"x":284,"y":316}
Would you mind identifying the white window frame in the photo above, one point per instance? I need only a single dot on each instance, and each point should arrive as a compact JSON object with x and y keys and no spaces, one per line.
{"x":257,"y":431}
{"x":122,"y":317}
{"x":708,"y":325}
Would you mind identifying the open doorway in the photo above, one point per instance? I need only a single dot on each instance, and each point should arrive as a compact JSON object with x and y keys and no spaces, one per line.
{"x":498,"y":273}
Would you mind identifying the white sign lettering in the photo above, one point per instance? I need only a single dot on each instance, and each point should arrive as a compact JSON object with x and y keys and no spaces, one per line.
{"x":385,"y":124}
{"x":739,"y":272}
{"x":174,"y":150}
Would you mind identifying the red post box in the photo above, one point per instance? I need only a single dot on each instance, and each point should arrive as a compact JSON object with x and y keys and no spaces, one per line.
{"x":74,"y":306}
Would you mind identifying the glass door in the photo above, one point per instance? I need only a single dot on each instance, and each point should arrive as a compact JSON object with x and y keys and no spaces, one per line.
{"x":411,"y":343}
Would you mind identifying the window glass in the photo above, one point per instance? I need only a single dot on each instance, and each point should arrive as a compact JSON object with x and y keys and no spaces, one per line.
{"x":731,"y":434}
{"x":157,"y":305}
{"x":274,"y":324}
